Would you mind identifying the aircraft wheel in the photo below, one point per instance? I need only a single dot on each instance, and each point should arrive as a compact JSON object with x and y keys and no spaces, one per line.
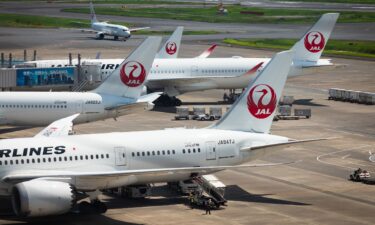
{"x":99,"y":206}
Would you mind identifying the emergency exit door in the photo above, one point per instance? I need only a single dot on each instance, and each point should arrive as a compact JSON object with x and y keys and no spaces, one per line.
{"x":120,"y":155}
{"x":211,"y":150}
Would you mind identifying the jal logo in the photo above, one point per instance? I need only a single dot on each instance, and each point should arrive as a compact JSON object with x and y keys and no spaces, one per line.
{"x":314,"y":41}
{"x":132,"y":74}
{"x":261,"y":101}
{"x":171,"y":48}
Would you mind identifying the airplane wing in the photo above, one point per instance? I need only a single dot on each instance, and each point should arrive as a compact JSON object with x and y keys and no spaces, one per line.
{"x":138,"y":28}
{"x":61,"y":127}
{"x":20,"y":176}
{"x":207,"y":52}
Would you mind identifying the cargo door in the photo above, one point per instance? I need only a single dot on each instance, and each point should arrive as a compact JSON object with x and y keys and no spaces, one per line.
{"x":120,"y":156}
{"x":211,"y":150}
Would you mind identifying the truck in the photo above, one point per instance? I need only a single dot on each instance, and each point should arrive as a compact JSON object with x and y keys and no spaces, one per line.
{"x":182,"y":113}
{"x":198,"y":111}
{"x":302,"y":113}
{"x":216,"y":112}
{"x":287,"y":100}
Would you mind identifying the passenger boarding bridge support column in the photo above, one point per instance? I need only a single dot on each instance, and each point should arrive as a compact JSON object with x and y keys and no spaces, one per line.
{"x":70,"y":59}
{"x":10,"y":60}
{"x":24,"y":55}
{"x":34,"y":57}
{"x":2,"y":59}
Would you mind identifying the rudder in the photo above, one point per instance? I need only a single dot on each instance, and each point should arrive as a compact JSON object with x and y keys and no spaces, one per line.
{"x":255,"y":108}
{"x":310,"y":47}
{"x":129,"y":78}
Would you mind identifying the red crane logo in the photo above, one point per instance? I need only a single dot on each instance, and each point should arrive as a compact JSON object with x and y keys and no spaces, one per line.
{"x":171,"y":48}
{"x":314,"y":41}
{"x":261,"y":101}
{"x":132,"y":74}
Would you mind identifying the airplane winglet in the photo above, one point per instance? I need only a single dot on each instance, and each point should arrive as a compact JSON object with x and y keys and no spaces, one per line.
{"x":207,"y":52}
{"x":61,"y":127}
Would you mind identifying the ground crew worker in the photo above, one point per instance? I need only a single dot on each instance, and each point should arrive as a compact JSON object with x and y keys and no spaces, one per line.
{"x":208,"y":206}
{"x":191,"y":200}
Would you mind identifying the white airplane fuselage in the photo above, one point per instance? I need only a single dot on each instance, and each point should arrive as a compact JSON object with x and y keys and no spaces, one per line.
{"x":40,"y":108}
{"x":129,"y":151}
{"x":181,"y":75}
{"x":111,"y":29}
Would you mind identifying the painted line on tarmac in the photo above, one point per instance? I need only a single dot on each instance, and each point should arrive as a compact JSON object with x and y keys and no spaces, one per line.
{"x":319,"y":157}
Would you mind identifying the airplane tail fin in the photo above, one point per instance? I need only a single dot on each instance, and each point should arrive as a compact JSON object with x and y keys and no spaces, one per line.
{"x":129,"y":78}
{"x":311,"y":45}
{"x":92,"y":14}
{"x":255,"y":108}
{"x":172,"y":46}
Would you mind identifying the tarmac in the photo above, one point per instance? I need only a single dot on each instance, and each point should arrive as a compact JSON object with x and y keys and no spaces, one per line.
{"x":313,"y":190}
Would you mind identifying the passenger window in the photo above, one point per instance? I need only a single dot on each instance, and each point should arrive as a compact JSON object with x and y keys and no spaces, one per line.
{"x":81,"y":157}
{"x":153,"y":152}
{"x":189,"y":150}
{"x":143,"y":153}
{"x":97,"y":156}
{"x":169,"y":152}
{"x":32,"y":160}
{"x":138,"y":154}
{"x":76,"y":158}
{"x":199,"y":150}
{"x":44,"y":160}
{"x":27,"y":161}
{"x":174,"y":152}
{"x":103,"y":155}
{"x":11,"y":162}
{"x":193,"y":150}
{"x":158,"y":152}
{"x":183,"y":151}
{"x":16,"y":161}
{"x":163,"y":152}
{"x":107,"y":156}
{"x":148,"y":153}
{"x":71,"y":158}
{"x":92,"y":156}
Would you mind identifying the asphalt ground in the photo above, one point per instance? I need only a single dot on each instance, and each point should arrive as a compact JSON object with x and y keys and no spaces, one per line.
{"x":314,"y":190}
{"x":347,"y":31}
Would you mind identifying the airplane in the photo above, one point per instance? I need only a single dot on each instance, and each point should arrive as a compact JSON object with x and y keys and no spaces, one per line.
{"x":119,"y":94}
{"x":46,"y":175}
{"x":176,"y":76}
{"x":104,"y":28}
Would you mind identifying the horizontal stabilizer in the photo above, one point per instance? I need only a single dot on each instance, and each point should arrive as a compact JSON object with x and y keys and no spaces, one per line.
{"x":144,"y":103}
{"x":262,"y":150}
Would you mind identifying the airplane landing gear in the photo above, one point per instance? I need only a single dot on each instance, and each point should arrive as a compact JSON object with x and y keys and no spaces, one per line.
{"x":95,"y":207}
{"x":115,"y":38}
{"x":165,"y":100}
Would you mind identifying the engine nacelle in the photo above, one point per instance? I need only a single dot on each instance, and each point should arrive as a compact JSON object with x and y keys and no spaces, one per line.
{"x":100,"y":36}
{"x":42,"y":198}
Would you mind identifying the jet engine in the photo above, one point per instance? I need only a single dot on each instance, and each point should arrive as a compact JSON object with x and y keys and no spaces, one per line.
{"x":42,"y":198}
{"x":100,"y":36}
